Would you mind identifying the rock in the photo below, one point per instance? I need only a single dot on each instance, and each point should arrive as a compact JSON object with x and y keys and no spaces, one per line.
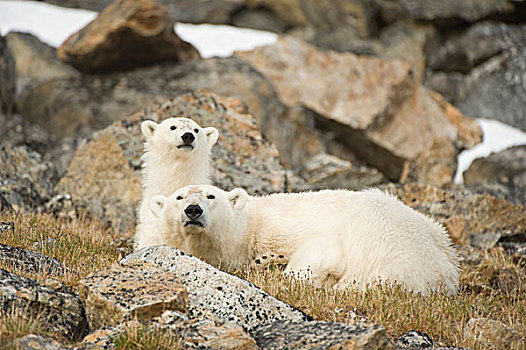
{"x":7,"y":78}
{"x":126,"y":34}
{"x":490,"y":334}
{"x":506,"y":168}
{"x":104,"y":177}
{"x":428,"y":10}
{"x":212,"y":291}
{"x":325,"y":171}
{"x":7,"y":227}
{"x":138,"y":291}
{"x":37,"y":342}
{"x":482,"y":70}
{"x":320,"y":335}
{"x":457,"y":228}
{"x":102,"y":183}
{"x":62,"y":313}
{"x":26,"y":182}
{"x":415,"y":339}
{"x":482,"y":213}
{"x":28,"y":261}
{"x":374,"y":107}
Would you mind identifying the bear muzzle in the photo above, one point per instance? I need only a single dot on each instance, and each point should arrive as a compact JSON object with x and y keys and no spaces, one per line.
{"x":193,"y":216}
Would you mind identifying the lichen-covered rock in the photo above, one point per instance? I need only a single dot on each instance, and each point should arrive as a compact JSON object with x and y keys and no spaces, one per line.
{"x":211,"y":291}
{"x":60,"y":312}
{"x":373,"y":106}
{"x":479,"y":213}
{"x":125,"y":34}
{"x":320,"y":335}
{"x":104,"y":177}
{"x":37,"y":342}
{"x":138,"y":291}
{"x":28,"y":261}
{"x":26,"y":181}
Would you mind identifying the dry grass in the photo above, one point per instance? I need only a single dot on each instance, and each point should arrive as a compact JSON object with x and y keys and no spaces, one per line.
{"x":16,"y":323}
{"x":140,"y":337}
{"x":83,"y":246}
{"x":494,"y":288}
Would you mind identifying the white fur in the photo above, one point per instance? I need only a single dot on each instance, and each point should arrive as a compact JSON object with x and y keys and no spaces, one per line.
{"x":168,"y":167}
{"x":332,"y":237}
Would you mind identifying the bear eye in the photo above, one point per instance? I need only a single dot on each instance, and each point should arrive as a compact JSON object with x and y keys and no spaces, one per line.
{"x":179,"y":198}
{"x":173,"y":127}
{"x":210,"y":196}
{"x":196,"y":131}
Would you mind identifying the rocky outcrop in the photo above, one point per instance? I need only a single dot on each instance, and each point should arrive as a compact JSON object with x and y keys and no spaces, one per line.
{"x":60,"y":312}
{"x":481,"y":71}
{"x":210,"y":290}
{"x":139,"y":291}
{"x":491,"y":334}
{"x":377,"y":109}
{"x":104,"y":177}
{"x":502,"y":172}
{"x":126,"y":34}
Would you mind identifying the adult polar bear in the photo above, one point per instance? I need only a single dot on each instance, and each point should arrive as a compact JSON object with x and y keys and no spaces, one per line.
{"x":177,"y":153}
{"x":334,"y":237}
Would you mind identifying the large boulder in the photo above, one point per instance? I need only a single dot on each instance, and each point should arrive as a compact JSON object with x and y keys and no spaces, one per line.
{"x":104,"y":177}
{"x":61,"y":312}
{"x":7,"y":78}
{"x":373,"y":106}
{"x":482,"y":71}
{"x":126,"y":34}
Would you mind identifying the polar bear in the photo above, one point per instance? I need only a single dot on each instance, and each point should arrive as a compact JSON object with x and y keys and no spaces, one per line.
{"x":332,"y":237}
{"x":177,"y":153}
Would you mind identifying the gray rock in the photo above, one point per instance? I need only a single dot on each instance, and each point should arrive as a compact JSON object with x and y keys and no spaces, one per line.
{"x":320,"y":335}
{"x":28,"y":261}
{"x":506,"y":169}
{"x":482,"y":72}
{"x":441,"y":11}
{"x":26,"y":182}
{"x":7,"y":227}
{"x":138,"y":291}
{"x":415,"y":339}
{"x":212,"y":291}
{"x":59,"y":312}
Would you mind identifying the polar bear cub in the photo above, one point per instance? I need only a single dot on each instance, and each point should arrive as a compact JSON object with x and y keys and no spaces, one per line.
{"x":177,"y":153}
{"x":333,"y":237}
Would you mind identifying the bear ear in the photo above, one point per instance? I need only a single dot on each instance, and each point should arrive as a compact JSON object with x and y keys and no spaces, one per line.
{"x":211,"y":135}
{"x":157,"y":204}
{"x":238,"y":197}
{"x":148,"y":128}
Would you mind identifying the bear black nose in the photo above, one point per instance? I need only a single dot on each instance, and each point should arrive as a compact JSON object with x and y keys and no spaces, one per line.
{"x":188,"y":138}
{"x":193,"y":211}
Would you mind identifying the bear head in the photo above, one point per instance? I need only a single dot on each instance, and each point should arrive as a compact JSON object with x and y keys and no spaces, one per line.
{"x":199,"y":209}
{"x":180,"y":136}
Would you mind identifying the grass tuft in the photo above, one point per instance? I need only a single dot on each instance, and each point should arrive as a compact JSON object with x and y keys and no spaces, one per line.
{"x":141,"y":337}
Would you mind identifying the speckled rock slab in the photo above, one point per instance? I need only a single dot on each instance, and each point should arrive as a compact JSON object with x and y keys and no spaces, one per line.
{"x":212,"y":291}
{"x":320,"y":335}
{"x":138,"y":290}
{"x":30,"y":261}
{"x":61,"y":312}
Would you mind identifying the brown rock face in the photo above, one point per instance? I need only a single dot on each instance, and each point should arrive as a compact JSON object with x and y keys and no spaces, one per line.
{"x":139,"y":291}
{"x":374,"y":106}
{"x":126,"y":34}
